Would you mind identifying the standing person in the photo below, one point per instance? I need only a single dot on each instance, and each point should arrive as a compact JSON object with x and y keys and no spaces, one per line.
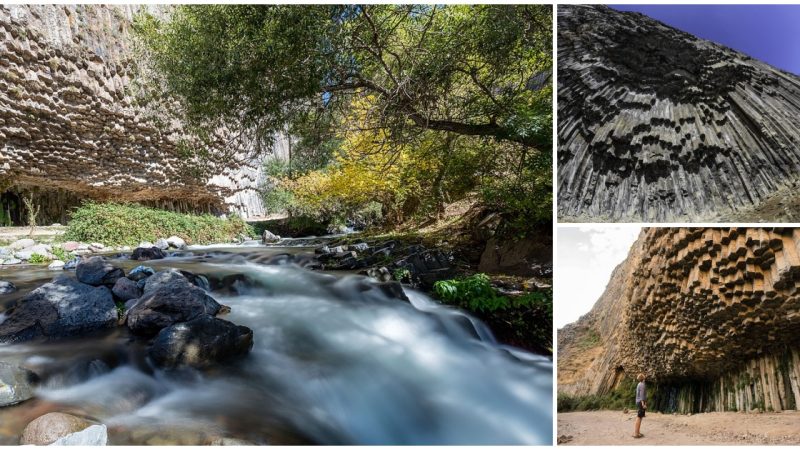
{"x":641,"y":404}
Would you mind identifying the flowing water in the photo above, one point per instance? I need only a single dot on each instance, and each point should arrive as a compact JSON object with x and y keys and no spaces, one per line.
{"x":335,"y":361}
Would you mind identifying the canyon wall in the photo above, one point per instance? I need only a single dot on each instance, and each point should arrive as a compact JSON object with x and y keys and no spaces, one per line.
{"x":73,"y":125}
{"x":711,"y":315}
{"x":656,"y":125}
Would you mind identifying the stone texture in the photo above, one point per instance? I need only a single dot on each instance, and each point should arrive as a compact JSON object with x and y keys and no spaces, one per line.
{"x":7,"y":287}
{"x":16,"y":384}
{"x":656,"y":125}
{"x":59,"y":309}
{"x":169,"y":298}
{"x":49,"y":428}
{"x":147,"y":253}
{"x":126,"y":289}
{"x":72,"y":121}
{"x":91,"y":436}
{"x":202,"y":342}
{"x":711,"y":315}
{"x":97,"y":271}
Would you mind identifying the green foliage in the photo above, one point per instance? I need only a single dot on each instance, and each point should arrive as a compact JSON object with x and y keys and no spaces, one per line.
{"x":588,"y":340}
{"x":623,"y":397}
{"x":402,"y":274}
{"x":38,"y":259}
{"x":441,"y":94}
{"x":460,"y":68}
{"x":525,"y":199}
{"x":61,"y":254}
{"x":526,"y":320}
{"x":474,"y":293}
{"x":129,"y":224}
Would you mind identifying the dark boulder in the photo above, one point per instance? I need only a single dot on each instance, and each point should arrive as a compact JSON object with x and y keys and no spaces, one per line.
{"x":199,"y":343}
{"x":126,"y":289}
{"x":97,"y":271}
{"x":140,"y":273}
{"x":197,"y":280}
{"x":72,"y":264}
{"x":145,"y":253}
{"x":169,"y":298}
{"x":7,"y":287}
{"x":59,"y":309}
{"x":427,"y":266}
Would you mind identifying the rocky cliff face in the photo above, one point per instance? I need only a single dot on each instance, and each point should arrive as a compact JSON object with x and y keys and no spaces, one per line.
{"x":72,"y":125}
{"x":711,"y":315}
{"x":655,"y":124}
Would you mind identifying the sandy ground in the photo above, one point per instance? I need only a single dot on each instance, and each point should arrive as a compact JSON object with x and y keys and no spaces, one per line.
{"x":728,"y":428}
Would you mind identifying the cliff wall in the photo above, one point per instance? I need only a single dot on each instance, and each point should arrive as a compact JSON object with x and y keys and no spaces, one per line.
{"x":656,"y":125}
{"x":711,"y":315}
{"x":72,"y":125}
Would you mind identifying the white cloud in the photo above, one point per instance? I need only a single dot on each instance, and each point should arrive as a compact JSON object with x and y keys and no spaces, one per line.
{"x":586,"y":256}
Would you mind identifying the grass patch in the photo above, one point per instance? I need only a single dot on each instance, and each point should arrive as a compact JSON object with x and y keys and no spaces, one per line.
{"x":38,"y":259}
{"x":61,"y":254}
{"x":129,"y":224}
{"x":588,"y":340}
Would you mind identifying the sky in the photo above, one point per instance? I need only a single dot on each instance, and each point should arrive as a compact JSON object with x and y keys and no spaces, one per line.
{"x":770,"y":33}
{"x":586,"y":257}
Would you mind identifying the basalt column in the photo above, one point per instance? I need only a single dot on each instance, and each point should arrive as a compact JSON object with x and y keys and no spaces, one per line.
{"x":711,"y":315}
{"x":655,"y":124}
{"x":72,"y":117}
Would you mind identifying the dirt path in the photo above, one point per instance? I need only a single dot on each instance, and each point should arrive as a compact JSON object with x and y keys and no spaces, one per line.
{"x":729,"y":428}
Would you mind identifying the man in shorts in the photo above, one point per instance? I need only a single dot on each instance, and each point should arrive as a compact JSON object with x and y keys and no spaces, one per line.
{"x":641,"y":404}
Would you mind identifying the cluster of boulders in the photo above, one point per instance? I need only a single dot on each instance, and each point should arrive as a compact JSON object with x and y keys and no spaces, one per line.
{"x":62,"y":255}
{"x":58,"y":255}
{"x":171,"y":307}
{"x":389,"y":260}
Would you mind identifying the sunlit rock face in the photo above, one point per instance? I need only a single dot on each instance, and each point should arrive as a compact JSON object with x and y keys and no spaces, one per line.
{"x":655,"y":124}
{"x":711,"y":315}
{"x":72,"y":119}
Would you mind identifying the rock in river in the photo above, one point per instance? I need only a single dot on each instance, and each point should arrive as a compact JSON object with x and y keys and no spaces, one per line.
{"x":200,"y":343}
{"x":169,"y":298}
{"x":97,"y":271}
{"x":147,"y":253}
{"x":126,"y":289}
{"x":176,"y":242}
{"x":16,"y":384}
{"x":59,"y":309}
{"x":7,"y":287}
{"x":51,"y":427}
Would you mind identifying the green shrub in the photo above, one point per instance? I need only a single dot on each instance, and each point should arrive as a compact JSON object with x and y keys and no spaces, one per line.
{"x":61,"y":254}
{"x":526,"y":320}
{"x":38,"y":259}
{"x":129,"y":224}
{"x":623,"y":397}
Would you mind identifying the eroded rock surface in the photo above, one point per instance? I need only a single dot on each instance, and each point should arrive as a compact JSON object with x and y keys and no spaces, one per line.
{"x":60,"y":309}
{"x":711,"y":315}
{"x":74,"y":121}
{"x":655,"y":124}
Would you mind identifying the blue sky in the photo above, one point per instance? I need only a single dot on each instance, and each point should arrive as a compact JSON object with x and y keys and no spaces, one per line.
{"x":770,"y":33}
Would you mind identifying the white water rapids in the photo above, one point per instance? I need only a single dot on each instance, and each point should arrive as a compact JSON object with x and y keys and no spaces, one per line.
{"x":335,"y":361}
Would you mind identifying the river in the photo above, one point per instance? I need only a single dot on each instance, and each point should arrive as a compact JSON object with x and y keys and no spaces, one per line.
{"x":334,"y":361}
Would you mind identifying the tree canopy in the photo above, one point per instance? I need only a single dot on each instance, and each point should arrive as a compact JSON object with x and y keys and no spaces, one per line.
{"x":464,"y":69}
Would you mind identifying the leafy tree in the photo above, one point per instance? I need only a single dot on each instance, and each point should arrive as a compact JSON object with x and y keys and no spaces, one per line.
{"x":464,"y":69}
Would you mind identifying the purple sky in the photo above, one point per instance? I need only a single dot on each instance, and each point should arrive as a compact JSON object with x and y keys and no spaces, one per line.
{"x":770,"y":33}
